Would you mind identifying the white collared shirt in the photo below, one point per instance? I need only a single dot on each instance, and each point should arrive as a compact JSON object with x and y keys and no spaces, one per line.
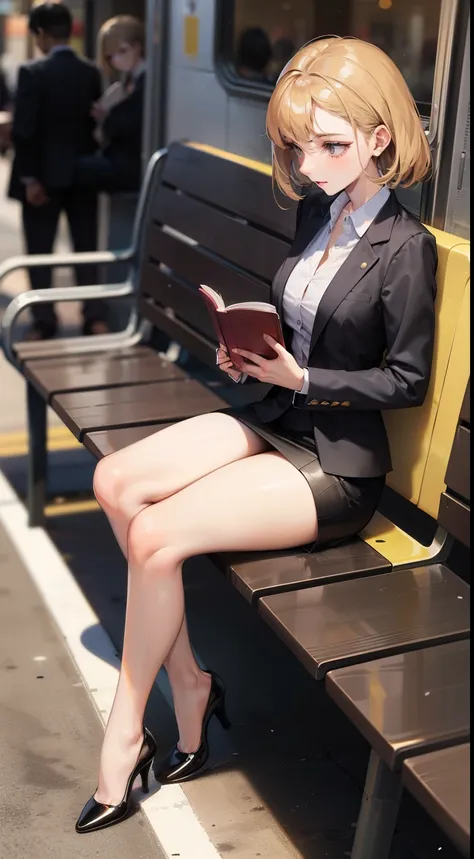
{"x":307,"y":283}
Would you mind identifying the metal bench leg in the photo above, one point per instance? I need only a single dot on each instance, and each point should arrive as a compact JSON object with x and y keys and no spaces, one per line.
{"x":38,"y":455}
{"x":378,"y":812}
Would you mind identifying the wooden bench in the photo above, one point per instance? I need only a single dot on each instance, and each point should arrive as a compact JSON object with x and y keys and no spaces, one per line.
{"x":207,"y":216}
{"x":440,"y":781}
{"x":210,"y":217}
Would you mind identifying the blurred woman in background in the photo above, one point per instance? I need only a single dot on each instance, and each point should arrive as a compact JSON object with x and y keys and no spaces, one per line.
{"x":119,"y":113}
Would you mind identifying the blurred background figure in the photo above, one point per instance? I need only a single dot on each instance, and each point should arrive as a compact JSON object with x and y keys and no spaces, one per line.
{"x":282,"y":51}
{"x":5,"y":116}
{"x":117,"y":166}
{"x":52,"y":126}
{"x":254,"y":52}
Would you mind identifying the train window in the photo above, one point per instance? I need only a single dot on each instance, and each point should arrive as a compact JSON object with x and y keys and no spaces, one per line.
{"x":257,"y":38}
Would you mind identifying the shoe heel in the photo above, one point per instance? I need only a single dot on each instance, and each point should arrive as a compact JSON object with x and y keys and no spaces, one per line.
{"x":144,"y":777}
{"x":221,"y":714}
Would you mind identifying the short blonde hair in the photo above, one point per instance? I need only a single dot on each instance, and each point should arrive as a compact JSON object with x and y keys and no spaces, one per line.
{"x":359,"y":83}
{"x":122,"y":28}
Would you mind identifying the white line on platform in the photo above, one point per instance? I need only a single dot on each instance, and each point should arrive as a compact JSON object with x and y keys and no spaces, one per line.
{"x":169,"y":812}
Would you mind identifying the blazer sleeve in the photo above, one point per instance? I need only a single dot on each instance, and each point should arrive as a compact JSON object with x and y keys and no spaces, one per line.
{"x":25,"y":123}
{"x":408,"y":296}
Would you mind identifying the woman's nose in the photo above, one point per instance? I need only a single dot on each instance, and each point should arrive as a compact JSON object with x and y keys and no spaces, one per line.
{"x":304,"y":164}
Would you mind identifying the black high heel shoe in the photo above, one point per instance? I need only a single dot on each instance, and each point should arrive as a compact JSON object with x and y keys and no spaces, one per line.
{"x":180,"y":766}
{"x":96,"y":815}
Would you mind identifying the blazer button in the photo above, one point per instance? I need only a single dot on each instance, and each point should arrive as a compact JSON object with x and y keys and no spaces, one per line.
{"x":335,"y":403}
{"x":324,"y":403}
{"x":364,"y":264}
{"x":314,"y":403}
{"x":345,"y":403}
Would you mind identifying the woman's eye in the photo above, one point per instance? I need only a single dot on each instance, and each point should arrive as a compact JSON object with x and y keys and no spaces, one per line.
{"x":336,"y":149}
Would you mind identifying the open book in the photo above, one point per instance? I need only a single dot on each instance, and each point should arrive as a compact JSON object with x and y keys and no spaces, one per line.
{"x":242,"y":325}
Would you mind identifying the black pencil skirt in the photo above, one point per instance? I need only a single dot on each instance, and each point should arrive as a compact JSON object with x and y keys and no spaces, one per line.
{"x":344,"y":505}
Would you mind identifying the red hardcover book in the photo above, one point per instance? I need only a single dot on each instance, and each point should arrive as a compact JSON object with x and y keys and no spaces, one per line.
{"x":242,"y":325}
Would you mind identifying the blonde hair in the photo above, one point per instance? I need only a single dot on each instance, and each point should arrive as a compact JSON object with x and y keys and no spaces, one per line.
{"x":122,"y":28}
{"x":359,"y":83}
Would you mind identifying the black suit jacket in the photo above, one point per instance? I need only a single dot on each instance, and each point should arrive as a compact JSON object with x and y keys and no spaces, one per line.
{"x":52,"y":125}
{"x":372,"y":339}
{"x":123,"y":133}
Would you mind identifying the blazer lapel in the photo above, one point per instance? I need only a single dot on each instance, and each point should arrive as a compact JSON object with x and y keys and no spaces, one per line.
{"x":359,"y":262}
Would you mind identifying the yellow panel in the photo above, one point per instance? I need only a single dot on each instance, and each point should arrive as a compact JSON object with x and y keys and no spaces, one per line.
{"x":393,"y":543}
{"x":448,"y":413}
{"x":191,"y":35}
{"x":231,"y":156}
{"x":410,"y":430}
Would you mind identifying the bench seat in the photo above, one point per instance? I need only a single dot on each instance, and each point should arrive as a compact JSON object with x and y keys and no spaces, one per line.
{"x":98,"y":409}
{"x":440,"y":781}
{"x":409,"y":703}
{"x":341,"y":624}
{"x":87,"y":372}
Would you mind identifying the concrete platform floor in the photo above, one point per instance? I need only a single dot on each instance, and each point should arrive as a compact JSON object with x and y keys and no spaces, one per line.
{"x":50,"y":736}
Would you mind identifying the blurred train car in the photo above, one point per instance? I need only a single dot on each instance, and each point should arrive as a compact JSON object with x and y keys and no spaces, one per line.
{"x":213,"y":64}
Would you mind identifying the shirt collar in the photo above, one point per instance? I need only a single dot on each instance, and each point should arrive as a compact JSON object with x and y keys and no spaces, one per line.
{"x":57,"y":48}
{"x":363,"y":216}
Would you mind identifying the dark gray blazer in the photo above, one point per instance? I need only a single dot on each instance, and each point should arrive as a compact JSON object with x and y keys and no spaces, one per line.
{"x":372,"y":340}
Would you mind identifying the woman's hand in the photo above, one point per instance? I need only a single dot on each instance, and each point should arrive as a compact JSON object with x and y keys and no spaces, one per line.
{"x":224,"y":363}
{"x":281,"y":370}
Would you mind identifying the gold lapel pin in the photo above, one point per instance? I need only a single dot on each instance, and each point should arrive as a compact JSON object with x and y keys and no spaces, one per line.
{"x":364,"y":264}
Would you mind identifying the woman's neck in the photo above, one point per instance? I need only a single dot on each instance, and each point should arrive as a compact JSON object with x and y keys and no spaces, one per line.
{"x":360,"y":191}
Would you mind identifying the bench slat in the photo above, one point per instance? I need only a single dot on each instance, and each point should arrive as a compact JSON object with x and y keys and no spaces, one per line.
{"x":111,"y":408}
{"x":252,"y":249}
{"x":196,"y":266}
{"x":455,"y":518}
{"x":87,"y":372}
{"x":410,"y":703}
{"x":466,"y":405}
{"x":182,"y":297}
{"x":110,"y":441}
{"x":230,"y":186}
{"x":200,"y":345}
{"x":458,"y":473}
{"x":345,"y":623}
{"x":259,"y":574}
{"x":440,"y":781}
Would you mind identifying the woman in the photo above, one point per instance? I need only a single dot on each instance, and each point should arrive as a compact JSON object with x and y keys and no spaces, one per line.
{"x":119,"y":113}
{"x":307,"y":464}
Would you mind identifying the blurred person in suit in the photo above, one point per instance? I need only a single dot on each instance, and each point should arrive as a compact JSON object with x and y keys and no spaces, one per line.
{"x":117,"y":166}
{"x":52,"y":126}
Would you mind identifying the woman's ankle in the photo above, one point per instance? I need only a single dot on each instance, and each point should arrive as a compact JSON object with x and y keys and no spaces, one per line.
{"x":191,"y":680}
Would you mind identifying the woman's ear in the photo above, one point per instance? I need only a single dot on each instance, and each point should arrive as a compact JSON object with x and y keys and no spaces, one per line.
{"x":381,"y":138}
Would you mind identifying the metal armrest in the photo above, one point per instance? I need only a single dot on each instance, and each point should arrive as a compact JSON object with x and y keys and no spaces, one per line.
{"x":60,"y":260}
{"x":45,"y":296}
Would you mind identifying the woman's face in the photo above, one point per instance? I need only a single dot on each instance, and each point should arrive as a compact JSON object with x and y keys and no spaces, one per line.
{"x":125,"y":57}
{"x":334,"y":159}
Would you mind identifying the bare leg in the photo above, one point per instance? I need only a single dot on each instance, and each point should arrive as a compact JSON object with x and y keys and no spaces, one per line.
{"x":126,"y":483}
{"x":260,"y":502}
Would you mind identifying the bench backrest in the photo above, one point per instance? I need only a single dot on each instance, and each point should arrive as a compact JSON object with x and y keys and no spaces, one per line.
{"x":455,"y":505}
{"x":209,"y":220}
{"x":212,"y":218}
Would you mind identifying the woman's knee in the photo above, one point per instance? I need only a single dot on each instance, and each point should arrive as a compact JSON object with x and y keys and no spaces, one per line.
{"x":149,"y":546}
{"x":108,"y":482}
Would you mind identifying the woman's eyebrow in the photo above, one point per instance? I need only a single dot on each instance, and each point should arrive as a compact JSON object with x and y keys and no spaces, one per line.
{"x":330,"y":134}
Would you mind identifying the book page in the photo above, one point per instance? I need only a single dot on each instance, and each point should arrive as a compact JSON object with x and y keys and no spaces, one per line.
{"x":217,"y":298}
{"x":253,"y":305}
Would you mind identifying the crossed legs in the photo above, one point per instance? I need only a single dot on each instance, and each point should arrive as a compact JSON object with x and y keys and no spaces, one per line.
{"x":204,"y":485}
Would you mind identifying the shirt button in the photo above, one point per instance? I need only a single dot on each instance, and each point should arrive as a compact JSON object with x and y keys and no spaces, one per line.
{"x":299,"y":323}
